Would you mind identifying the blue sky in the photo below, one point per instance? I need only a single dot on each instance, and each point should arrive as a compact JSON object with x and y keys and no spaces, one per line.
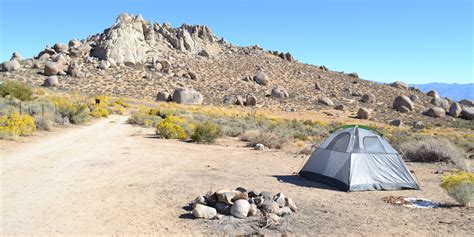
{"x":417,"y":41}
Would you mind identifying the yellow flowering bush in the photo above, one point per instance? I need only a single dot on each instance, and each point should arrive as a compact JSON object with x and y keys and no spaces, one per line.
{"x":172,"y":128}
{"x":99,"y":112}
{"x":459,"y":185}
{"x":15,"y":125}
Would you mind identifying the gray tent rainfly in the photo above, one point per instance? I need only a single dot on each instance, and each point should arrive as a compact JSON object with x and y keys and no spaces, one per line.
{"x":357,"y":159}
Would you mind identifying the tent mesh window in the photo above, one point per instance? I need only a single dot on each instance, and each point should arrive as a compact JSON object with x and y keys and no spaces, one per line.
{"x":340,"y":142}
{"x":373,"y":144}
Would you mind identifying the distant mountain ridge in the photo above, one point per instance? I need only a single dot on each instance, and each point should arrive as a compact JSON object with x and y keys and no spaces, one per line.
{"x":453,"y":90}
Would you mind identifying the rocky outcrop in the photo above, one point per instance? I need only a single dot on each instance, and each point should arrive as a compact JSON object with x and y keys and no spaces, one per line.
{"x":132,"y":40}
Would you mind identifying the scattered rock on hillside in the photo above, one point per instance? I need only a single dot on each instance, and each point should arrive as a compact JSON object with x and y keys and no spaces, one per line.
{"x":440,"y":102}
{"x":74,"y":43}
{"x":279,"y":93}
{"x":261,"y":78}
{"x":466,"y":102}
{"x":467,"y":113}
{"x":104,"y":64}
{"x":51,"y":81}
{"x":10,"y":66}
{"x":413,"y":98}
{"x":435,"y":112}
{"x":403,"y":101}
{"x":60,"y":48}
{"x":368,"y":98}
{"x":363,"y":113}
{"x":432,"y":93}
{"x":325,"y":101}
{"x":74,"y":69}
{"x":340,"y":107}
{"x":400,"y":85}
{"x":353,"y":74}
{"x":52,"y":68}
{"x":317,"y":86}
{"x":251,"y":100}
{"x":455,"y":109}
{"x":163,"y":96}
{"x":187,"y":96}
{"x":396,"y":122}
{"x":418,"y":125}
{"x":259,"y":147}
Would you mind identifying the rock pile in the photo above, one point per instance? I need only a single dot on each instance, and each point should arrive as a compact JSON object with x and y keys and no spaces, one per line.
{"x":241,"y":203}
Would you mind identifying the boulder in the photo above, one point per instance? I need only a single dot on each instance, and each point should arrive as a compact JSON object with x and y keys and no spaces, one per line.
{"x":240,"y":208}
{"x":74,"y":43}
{"x":261,"y":78}
{"x":291,"y":204}
{"x":279,"y":93}
{"x":270,"y":206}
{"x":223,"y":208}
{"x":80,"y":51}
{"x":363,"y":113}
{"x":60,"y":48}
{"x":340,"y":107}
{"x":413,"y":98}
{"x":59,"y":58}
{"x":400,"y":85}
{"x":279,"y":198}
{"x":396,"y":122}
{"x":440,"y":102}
{"x":283,"y":211}
{"x":403,"y":101}
{"x":353,"y":74}
{"x":455,"y":109}
{"x":74,"y":70}
{"x":432,"y":93}
{"x":163,"y":96}
{"x":266,"y":195}
{"x":251,"y":100}
{"x":225,"y":196}
{"x":467,"y":102}
{"x":192,"y":75}
{"x":16,"y":56}
{"x":467,"y":113}
{"x":202,"y":211}
{"x":325,"y":101}
{"x":259,"y":147}
{"x":356,"y":93}
{"x":10,"y":66}
{"x":435,"y":112}
{"x":199,"y":200}
{"x":51,"y":81}
{"x":52,"y":68}
{"x":187,"y":96}
{"x":165,"y":66}
{"x":239,"y":194}
{"x":368,"y":98}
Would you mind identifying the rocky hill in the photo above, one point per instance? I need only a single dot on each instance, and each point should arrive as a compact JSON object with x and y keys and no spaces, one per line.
{"x":189,"y":64}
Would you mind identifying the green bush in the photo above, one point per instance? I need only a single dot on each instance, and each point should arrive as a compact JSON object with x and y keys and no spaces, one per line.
{"x":144,"y":119}
{"x":16,"y":89}
{"x":206,"y":133}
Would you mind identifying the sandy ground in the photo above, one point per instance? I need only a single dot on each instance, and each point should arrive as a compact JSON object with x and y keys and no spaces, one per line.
{"x":113,"y":178}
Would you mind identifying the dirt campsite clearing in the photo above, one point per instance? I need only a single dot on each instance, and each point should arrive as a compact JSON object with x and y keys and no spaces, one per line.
{"x":113,"y":178}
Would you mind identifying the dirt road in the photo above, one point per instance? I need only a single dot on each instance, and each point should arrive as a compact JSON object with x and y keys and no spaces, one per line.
{"x":113,"y":178}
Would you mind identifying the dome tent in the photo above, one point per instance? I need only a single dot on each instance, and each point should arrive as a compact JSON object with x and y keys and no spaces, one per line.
{"x":356,"y":158}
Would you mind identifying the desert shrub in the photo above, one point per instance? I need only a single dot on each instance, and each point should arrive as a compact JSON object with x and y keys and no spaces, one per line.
{"x":16,"y":89}
{"x":15,"y":125}
{"x":172,"y":127}
{"x":99,"y":112}
{"x":68,"y":111}
{"x":433,"y":150}
{"x":206,"y":133}
{"x":144,"y":119}
{"x":269,"y":139}
{"x":459,"y":185}
{"x":121,"y":102}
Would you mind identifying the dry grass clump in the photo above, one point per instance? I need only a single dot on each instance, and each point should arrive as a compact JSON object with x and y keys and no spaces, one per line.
{"x":268,"y":139}
{"x":433,"y":150}
{"x":206,"y":132}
